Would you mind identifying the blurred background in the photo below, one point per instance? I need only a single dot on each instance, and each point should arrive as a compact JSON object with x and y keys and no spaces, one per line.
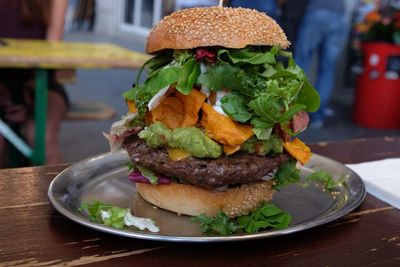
{"x":358,"y":72}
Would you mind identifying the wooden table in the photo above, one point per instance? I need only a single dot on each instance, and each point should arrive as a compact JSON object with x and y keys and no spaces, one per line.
{"x":32,"y":233}
{"x":42,"y":56}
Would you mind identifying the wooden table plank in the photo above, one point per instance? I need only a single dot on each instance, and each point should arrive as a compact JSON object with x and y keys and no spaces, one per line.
{"x":32,"y":233}
{"x":23,"y":53}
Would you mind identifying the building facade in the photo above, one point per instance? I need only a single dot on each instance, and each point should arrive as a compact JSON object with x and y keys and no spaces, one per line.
{"x":136,"y":17}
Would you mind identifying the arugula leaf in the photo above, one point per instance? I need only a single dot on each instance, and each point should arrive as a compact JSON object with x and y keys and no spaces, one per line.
{"x":245,"y":55}
{"x":182,"y":56}
{"x":188,"y":76}
{"x":265,"y":91}
{"x":159,"y":61}
{"x":252,"y":83}
{"x":220,"y":224}
{"x":268,"y":216}
{"x":309,"y":97}
{"x":324,"y":178}
{"x":267,"y":108}
{"x":130,"y":166}
{"x":212,"y":79}
{"x":164,"y":70}
{"x":159,"y":80}
{"x":286,"y":174}
{"x":234,"y":106}
{"x":289,"y":114}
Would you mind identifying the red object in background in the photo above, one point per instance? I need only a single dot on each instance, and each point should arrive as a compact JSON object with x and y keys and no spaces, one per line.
{"x":377,"y":100}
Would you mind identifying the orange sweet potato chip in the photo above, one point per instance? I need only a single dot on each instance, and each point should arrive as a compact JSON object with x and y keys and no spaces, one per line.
{"x":170,"y":112}
{"x":178,"y":110}
{"x":191,"y":105}
{"x":229,"y":150}
{"x":222,"y":128}
{"x":298,"y":150}
{"x":131,"y":106}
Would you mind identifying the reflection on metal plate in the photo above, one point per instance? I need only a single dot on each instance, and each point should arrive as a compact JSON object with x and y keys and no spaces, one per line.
{"x":104,"y":178}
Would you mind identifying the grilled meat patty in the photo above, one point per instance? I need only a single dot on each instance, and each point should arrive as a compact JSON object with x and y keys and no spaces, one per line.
{"x":239,"y":168}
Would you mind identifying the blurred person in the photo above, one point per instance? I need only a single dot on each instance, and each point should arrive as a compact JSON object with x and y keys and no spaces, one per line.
{"x":323,"y":31}
{"x":270,"y":7}
{"x":85,"y":15}
{"x":291,"y":15}
{"x":32,"y":19}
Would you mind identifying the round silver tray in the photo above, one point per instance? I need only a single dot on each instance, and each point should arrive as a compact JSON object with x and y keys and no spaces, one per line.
{"x":104,"y":178}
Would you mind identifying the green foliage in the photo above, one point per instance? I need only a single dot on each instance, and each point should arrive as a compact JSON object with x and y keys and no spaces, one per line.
{"x":324,"y":178}
{"x":286,"y":174}
{"x":268,"y":216}
{"x":114,"y":215}
{"x":263,"y":90}
{"x":221,"y":76}
{"x":220,"y":224}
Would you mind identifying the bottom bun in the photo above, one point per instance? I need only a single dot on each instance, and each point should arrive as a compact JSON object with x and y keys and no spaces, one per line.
{"x":193,"y":201}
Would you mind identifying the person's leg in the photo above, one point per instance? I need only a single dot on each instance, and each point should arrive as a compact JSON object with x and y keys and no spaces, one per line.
{"x":308,"y":40}
{"x":57,"y":108}
{"x":330,"y":49}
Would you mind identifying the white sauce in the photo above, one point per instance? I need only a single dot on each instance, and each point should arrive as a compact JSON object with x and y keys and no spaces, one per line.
{"x":157,"y":98}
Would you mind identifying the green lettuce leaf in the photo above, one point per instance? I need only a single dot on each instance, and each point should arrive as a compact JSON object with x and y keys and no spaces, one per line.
{"x":105,"y":213}
{"x":234,"y":105}
{"x":324,"y":178}
{"x":246,"y":55}
{"x":264,"y":90}
{"x":159,"y":80}
{"x":188,"y":76}
{"x":309,"y":97}
{"x":212,"y":79}
{"x":268,"y":216}
{"x":116,"y":217}
{"x":286,"y":174}
{"x":220,"y":224}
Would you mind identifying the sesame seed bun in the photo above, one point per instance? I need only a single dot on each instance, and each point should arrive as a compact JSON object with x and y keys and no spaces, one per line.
{"x":215,"y":26}
{"x":192,"y":200}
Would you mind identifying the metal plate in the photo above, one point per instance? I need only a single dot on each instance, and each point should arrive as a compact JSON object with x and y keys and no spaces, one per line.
{"x":104,"y":178}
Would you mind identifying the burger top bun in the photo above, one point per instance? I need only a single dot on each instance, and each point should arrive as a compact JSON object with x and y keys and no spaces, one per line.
{"x":215,"y":26}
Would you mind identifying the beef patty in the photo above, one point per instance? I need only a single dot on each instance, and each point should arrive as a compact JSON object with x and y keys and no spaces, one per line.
{"x":238,"y":168}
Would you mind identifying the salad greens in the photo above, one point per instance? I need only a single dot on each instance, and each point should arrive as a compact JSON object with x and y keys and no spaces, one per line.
{"x":116,"y":217}
{"x":268,"y":216}
{"x":324,"y":178}
{"x":265,"y":85}
{"x":286,"y":174}
{"x":289,"y":174}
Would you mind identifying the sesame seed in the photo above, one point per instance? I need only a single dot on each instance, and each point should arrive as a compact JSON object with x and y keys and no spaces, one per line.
{"x":215,"y":26}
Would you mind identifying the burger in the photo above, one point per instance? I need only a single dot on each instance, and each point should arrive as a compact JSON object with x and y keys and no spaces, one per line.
{"x":212,"y":128}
